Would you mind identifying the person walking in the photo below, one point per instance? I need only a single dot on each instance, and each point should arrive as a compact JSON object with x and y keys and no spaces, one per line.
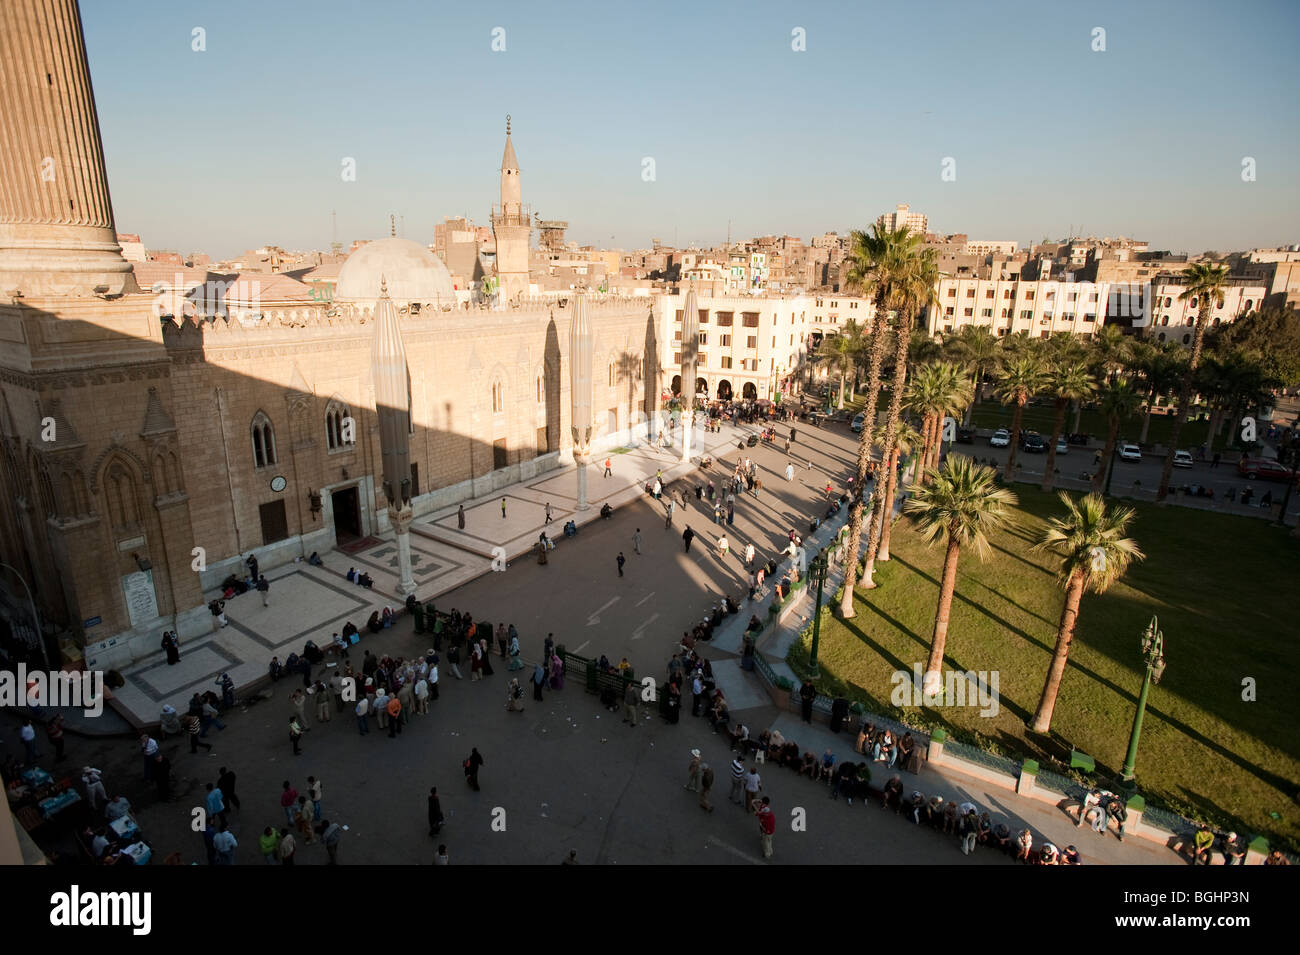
{"x":723,"y":547}
{"x":148,"y":749}
{"x":322,"y":703}
{"x":363,"y":716}
{"x":288,"y":799}
{"x":766,"y":825}
{"x":503,"y":640}
{"x":608,"y":470}
{"x":252,"y":567}
{"x":28,"y":735}
{"x":264,"y":588}
{"x":753,"y":783}
{"x":737,"y":782}
{"x":269,"y":843}
{"x":460,"y":517}
{"x":631,"y":696}
{"x":688,"y":535}
{"x":225,"y":844}
{"x":514,"y":696}
{"x":539,"y":678}
{"x":621,"y":561}
{"x":636,"y":538}
{"x":435,"y":812}
{"x":330,"y":835}
{"x":226,"y":783}
{"x":789,"y":471}
{"x":441,"y":858}
{"x":706,"y":786}
{"x":93,"y":780}
{"x":668,"y":516}
{"x":299,"y":700}
{"x":731,"y":513}
{"x":192,"y":727}
{"x":315,"y":790}
{"x":693,"y":772}
{"x":503,"y":508}
{"x":172,"y":647}
{"x":215,"y":804}
{"x":287,"y":848}
{"x":749,"y":556}
{"x":697,"y":691}
{"x":295,"y":734}
{"x":303,"y":817}
{"x":472,"y":764}
{"x":549,"y":518}
{"x":807,"y":694}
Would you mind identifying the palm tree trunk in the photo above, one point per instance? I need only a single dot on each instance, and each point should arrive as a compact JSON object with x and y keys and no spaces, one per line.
{"x":884,"y":509}
{"x":1146,"y":420}
{"x":1099,"y":479}
{"x":1078,"y":416}
{"x":947,"y":586}
{"x":1049,"y":475}
{"x":841,"y":404}
{"x":1016,"y":418}
{"x":883,"y":552}
{"x":922,"y":451}
{"x":1184,"y":399}
{"x":975,"y":399}
{"x":854,"y":543}
{"x":1042,"y":721}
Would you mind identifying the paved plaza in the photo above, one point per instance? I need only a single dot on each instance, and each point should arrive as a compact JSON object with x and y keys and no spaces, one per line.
{"x":565,"y":773}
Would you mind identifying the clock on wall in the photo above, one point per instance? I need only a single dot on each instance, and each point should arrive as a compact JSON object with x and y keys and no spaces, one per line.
{"x":277,"y":483}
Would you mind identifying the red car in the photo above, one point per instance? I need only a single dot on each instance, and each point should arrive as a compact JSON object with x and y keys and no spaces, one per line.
{"x":1264,"y":469}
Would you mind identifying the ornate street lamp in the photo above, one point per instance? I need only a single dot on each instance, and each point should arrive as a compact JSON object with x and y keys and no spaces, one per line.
{"x":1153,"y":655}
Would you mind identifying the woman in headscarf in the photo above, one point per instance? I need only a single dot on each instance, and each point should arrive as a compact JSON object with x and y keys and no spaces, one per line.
{"x":172,"y":646}
{"x":485,"y":653}
{"x":515,"y":662}
{"x":503,"y":642}
{"x":373,"y":624}
{"x":475,"y":662}
{"x":557,"y":672}
{"x":539,"y":678}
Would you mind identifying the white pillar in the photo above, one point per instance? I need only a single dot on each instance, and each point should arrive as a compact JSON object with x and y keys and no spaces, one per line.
{"x":401,"y":521}
{"x":582,"y":460}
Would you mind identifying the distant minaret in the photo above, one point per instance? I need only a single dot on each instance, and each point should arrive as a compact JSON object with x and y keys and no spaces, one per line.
{"x":512,"y":228}
{"x":392,"y":379}
{"x":57,"y":236}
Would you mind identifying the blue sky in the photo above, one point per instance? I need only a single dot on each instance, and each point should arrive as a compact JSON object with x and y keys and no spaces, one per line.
{"x":242,"y":144}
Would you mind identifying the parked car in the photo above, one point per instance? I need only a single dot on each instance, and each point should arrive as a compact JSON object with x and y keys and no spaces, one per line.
{"x":1062,"y":445}
{"x":1264,"y":469}
{"x":965,"y":435}
{"x":1130,"y":452}
{"x":858,"y":421}
{"x":1000,"y":438}
{"x":1183,"y":459}
{"x":1032,"y":442}
{"x":1079,"y":438}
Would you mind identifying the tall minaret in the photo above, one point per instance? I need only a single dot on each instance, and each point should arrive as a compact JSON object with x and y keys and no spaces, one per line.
{"x":393,"y":406}
{"x":512,"y":228}
{"x":57,"y":236}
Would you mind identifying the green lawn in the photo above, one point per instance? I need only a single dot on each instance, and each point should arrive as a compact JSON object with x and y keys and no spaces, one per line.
{"x":1220,"y":586}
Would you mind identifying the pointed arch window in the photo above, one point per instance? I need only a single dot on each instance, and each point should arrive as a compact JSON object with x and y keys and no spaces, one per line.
{"x":263,"y":441}
{"x":339,"y":432}
{"x":498,"y":397}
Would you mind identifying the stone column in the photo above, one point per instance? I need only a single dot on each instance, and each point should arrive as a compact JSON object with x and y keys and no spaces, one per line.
{"x":690,"y":353}
{"x":581,"y":347}
{"x":57,"y":235}
{"x":400,"y":518}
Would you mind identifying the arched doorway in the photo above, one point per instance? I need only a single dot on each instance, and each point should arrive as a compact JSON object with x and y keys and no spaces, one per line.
{"x":749,"y":391}
{"x":724,"y":390}
{"x":701,"y":386}
{"x":676,"y":386}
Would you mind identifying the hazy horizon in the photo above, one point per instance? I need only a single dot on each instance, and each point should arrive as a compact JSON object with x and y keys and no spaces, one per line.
{"x":241,"y":145}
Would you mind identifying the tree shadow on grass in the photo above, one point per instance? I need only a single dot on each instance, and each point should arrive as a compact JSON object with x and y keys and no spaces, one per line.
{"x":966,"y":600}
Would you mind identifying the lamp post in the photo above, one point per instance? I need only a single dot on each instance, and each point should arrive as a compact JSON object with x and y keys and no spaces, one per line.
{"x":818,"y":568}
{"x":36,"y":618}
{"x":1153,"y":645}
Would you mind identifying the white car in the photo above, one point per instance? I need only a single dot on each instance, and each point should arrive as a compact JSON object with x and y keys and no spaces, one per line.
{"x":1130,"y":452}
{"x":1062,"y":446}
{"x":1182,"y":459}
{"x":858,"y":422}
{"x":1000,"y":438}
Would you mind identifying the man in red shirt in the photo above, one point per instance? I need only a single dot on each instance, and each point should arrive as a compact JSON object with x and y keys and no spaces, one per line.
{"x":288,"y":799}
{"x":766,"y":824}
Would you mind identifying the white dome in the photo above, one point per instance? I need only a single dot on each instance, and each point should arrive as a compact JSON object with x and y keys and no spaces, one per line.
{"x":413,"y":274}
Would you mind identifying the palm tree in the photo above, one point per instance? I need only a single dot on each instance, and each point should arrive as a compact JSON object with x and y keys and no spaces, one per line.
{"x":1112,"y":351}
{"x":1160,"y":367}
{"x":879,"y":262}
{"x":1094,"y":554}
{"x":839,"y":353}
{"x":1019,"y":379}
{"x":1065,"y":383}
{"x":938,"y":390}
{"x":960,"y":506}
{"x":918,"y":291}
{"x":979,"y":349}
{"x":1205,"y":284}
{"x":922,"y":349}
{"x":906,"y":440}
{"x":1119,"y":399}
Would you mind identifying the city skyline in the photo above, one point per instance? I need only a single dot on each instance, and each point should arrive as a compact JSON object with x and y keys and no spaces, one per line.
{"x":743,"y":129}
